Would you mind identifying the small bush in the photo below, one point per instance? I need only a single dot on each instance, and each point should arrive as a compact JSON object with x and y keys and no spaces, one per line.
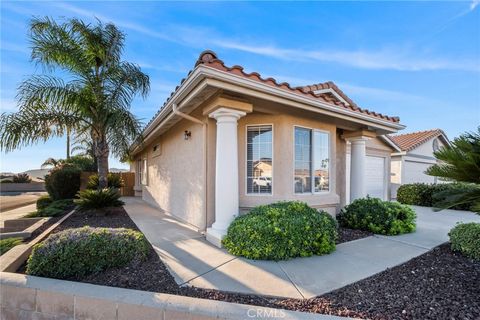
{"x":375,"y":215}
{"x":113,"y":180}
{"x":98,"y":199}
{"x":432,"y":195}
{"x":281,"y":231}
{"x":54,"y":209}
{"x":465,"y":238}
{"x":63,"y":182}
{"x":21,"y":178}
{"x":7,"y":244}
{"x":81,"y":251}
{"x":6,"y":181}
{"x":43,"y":202}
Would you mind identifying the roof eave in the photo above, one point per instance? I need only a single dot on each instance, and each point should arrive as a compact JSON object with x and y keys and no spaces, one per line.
{"x":202,"y":72}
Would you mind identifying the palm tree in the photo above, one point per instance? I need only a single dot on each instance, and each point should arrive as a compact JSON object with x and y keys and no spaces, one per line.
{"x":461,"y":163}
{"x":95,"y":99}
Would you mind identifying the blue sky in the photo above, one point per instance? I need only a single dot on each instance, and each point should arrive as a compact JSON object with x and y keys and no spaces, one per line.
{"x":416,"y":60}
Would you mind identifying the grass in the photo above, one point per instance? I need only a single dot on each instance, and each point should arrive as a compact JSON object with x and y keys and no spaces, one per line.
{"x":7,"y":244}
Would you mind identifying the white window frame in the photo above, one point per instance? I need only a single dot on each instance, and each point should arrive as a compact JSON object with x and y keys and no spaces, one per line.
{"x":246,"y":160}
{"x":142,"y":169}
{"x":312,"y":177}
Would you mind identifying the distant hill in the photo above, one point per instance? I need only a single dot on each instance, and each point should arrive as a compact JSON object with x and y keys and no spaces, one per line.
{"x":118,"y":170}
{"x":37,"y":174}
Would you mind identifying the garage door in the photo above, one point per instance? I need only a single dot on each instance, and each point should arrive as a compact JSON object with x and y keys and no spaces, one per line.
{"x":375,"y":177}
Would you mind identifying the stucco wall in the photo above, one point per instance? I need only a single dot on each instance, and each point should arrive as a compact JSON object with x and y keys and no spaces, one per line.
{"x":176,"y":174}
{"x":413,"y":165}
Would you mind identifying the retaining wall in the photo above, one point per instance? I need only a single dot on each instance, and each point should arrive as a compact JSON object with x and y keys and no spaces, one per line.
{"x":29,"y":297}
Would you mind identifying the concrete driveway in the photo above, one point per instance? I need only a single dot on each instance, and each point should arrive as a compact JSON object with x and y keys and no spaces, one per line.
{"x":194,"y":261}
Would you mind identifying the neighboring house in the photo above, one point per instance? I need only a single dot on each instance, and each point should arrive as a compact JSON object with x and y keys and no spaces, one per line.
{"x":416,"y":155}
{"x":226,"y":141}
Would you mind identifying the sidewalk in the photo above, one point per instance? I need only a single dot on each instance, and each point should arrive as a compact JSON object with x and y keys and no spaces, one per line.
{"x":194,"y":261}
{"x":16,"y":213}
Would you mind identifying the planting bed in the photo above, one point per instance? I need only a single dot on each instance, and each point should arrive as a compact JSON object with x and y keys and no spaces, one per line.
{"x":437,"y":285}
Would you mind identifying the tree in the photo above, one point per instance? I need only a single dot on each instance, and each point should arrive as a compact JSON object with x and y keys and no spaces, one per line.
{"x":94,"y":99}
{"x":461,"y":163}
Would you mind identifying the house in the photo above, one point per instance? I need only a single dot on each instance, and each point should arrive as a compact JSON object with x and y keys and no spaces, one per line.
{"x":226,"y":141}
{"x":415,"y":155}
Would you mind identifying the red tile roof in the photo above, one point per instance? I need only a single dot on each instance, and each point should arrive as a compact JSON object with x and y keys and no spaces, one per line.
{"x":209,"y":58}
{"x":409,"y":141}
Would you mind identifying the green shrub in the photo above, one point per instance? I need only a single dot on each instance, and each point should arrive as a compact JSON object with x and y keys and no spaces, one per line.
{"x":281,"y":231}
{"x":114,"y":181}
{"x":375,"y":215}
{"x":98,"y":199}
{"x":9,"y":243}
{"x":465,"y":238}
{"x":415,"y":194}
{"x":43,"y":202}
{"x":6,"y":181}
{"x":21,"y":178}
{"x":54,"y":209}
{"x":81,"y":251}
{"x":63,"y":182}
{"x":432,"y":195}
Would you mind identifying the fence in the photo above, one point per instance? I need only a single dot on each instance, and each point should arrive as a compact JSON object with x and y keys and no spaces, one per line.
{"x":127,"y":177}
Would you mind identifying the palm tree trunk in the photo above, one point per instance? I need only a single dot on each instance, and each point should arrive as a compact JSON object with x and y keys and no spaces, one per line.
{"x":102,"y":152}
{"x":68,"y":143}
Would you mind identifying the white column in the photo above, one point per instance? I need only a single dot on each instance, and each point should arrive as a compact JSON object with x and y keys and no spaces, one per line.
{"x":226,"y":173}
{"x":357,"y":168}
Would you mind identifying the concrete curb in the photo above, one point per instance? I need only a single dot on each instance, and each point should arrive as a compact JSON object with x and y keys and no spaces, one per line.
{"x":35,"y":297}
{"x":15,"y":257}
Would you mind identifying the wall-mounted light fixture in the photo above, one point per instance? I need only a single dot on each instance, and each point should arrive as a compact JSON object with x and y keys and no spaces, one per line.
{"x":187,"y":134}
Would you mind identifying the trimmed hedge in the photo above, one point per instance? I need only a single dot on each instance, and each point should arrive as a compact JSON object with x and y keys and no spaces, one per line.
{"x":431,"y":195}
{"x":281,"y":231}
{"x":63,"y":182}
{"x":98,"y":199}
{"x":465,"y":238}
{"x":74,"y":253}
{"x":375,"y":215}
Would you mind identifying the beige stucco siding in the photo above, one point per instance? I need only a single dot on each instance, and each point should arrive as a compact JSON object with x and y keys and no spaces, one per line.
{"x":283,"y":161}
{"x":176,"y":175}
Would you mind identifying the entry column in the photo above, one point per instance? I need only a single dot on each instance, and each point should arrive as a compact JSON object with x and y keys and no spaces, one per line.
{"x":357,"y":167}
{"x":226,"y":173}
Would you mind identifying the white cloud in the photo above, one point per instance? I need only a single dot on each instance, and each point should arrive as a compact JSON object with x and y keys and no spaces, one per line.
{"x":8,"y":105}
{"x":384,"y":59}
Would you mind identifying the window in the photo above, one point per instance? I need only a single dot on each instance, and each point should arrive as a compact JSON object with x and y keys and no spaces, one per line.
{"x":142,"y":171}
{"x":312,"y":156}
{"x":436,"y":147}
{"x":259,"y":159}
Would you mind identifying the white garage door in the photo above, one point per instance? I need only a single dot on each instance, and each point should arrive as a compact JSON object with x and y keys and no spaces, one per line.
{"x":375,"y":171}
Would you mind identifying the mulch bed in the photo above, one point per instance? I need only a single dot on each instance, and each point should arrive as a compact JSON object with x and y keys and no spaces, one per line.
{"x":439,"y":284}
{"x":345,"y":234}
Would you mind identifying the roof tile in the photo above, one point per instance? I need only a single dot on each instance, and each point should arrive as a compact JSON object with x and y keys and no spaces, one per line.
{"x":409,"y":141}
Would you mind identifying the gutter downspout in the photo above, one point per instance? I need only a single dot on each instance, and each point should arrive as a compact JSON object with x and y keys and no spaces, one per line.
{"x":205,"y":153}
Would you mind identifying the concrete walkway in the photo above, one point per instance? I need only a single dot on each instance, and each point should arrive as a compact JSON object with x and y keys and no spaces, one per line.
{"x":194,"y":261}
{"x":16,"y":213}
